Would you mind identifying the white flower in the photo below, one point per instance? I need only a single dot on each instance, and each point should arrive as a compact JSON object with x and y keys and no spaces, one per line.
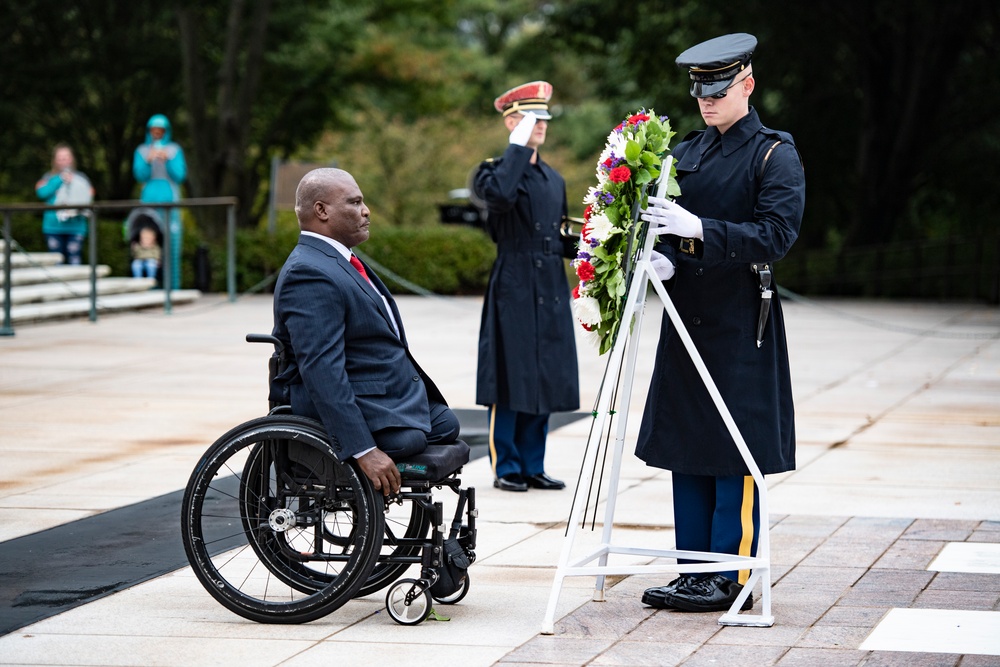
{"x":588,"y":310}
{"x":599,"y":227}
{"x":591,"y":197}
{"x":616,"y":144}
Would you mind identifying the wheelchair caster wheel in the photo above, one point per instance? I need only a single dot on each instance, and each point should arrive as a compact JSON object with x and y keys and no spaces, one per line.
{"x":408,"y":602}
{"x":457,"y":595}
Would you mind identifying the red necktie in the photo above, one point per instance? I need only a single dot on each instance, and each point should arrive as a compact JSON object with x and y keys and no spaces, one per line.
{"x":356,"y":263}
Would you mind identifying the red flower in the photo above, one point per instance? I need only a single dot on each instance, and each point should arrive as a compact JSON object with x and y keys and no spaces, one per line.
{"x":637,"y":118}
{"x":587,"y":212}
{"x":586,"y":326}
{"x":585,"y":271}
{"x":585,"y":232}
{"x":620,"y":174}
{"x":576,"y":291}
{"x":607,"y":163}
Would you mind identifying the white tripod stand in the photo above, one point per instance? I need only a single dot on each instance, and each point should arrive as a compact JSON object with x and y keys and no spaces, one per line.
{"x":627,"y":343}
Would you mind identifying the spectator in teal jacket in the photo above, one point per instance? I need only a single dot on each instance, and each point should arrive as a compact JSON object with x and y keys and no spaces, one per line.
{"x":159,"y":164}
{"x":64,"y":230}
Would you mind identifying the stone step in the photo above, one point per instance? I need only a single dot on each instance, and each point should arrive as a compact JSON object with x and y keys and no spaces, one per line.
{"x":47,"y":274}
{"x":67,"y":308}
{"x":20,"y":260}
{"x":43,"y":292}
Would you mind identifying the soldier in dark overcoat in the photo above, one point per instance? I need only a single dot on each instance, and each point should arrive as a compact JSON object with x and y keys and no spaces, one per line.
{"x":527,"y":351}
{"x":741,"y":203}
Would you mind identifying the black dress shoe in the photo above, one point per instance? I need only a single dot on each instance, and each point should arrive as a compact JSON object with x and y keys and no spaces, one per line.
{"x":713,"y":592}
{"x":654,"y":597}
{"x":510,"y":483}
{"x":543,"y":481}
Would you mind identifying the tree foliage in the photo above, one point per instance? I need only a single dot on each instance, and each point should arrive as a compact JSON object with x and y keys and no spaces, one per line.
{"x":889,"y":102}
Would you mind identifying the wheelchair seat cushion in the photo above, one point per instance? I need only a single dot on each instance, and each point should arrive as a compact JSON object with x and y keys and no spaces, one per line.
{"x":434,"y":463}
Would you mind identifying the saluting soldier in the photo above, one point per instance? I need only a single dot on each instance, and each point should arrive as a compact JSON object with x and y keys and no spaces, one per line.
{"x":743,"y":193}
{"x":527,"y":350}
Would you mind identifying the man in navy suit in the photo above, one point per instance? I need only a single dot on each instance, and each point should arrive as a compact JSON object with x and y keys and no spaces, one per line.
{"x":349,"y":364}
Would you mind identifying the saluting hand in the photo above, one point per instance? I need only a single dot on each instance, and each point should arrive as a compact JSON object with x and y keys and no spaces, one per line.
{"x":381,"y":470}
{"x":522,"y":131}
{"x":666,"y":217}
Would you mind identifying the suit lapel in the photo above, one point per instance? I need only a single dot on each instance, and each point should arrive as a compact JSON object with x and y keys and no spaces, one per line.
{"x":363,"y":285}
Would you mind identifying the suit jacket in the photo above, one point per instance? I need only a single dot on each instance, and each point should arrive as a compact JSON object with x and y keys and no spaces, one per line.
{"x":346,"y":365}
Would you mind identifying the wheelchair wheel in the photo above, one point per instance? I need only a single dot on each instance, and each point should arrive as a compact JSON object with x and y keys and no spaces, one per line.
{"x":275,"y":527}
{"x":407,"y":602}
{"x":406,"y":529}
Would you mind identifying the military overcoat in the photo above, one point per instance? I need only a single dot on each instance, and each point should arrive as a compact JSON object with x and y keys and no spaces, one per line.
{"x":527,"y":350}
{"x":751,"y":209}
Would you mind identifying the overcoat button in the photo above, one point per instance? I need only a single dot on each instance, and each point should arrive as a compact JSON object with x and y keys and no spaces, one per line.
{"x":538,"y":226}
{"x":699,"y":272}
{"x":696,"y":321}
{"x":416,"y":378}
{"x":541,"y":300}
{"x":538,"y":263}
{"x":732,"y":254}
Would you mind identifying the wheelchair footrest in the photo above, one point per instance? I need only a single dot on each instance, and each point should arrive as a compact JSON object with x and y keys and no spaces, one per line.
{"x":435,"y":463}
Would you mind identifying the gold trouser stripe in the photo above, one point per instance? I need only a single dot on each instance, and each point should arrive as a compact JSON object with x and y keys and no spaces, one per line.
{"x":746,"y":520}
{"x":493,"y":447}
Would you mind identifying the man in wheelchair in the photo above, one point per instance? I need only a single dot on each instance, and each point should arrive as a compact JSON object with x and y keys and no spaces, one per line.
{"x":346,"y":360}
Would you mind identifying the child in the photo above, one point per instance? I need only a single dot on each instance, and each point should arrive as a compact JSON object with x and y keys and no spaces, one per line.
{"x":145,"y":254}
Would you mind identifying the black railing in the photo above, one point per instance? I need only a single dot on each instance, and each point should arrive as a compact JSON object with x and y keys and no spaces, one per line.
{"x":958,"y":268}
{"x":229,"y":202}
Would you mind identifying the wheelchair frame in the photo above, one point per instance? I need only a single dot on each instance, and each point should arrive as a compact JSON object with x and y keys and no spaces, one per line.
{"x":279,"y":530}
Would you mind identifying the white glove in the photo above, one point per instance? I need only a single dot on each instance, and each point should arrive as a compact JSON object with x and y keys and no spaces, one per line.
{"x":522,"y":131}
{"x":666,"y":217}
{"x":662,"y":267}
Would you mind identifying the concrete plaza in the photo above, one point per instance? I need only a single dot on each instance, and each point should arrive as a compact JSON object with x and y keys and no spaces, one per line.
{"x":885,"y":540}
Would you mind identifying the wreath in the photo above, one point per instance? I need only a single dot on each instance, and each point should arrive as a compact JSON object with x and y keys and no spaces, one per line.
{"x":631,"y":160}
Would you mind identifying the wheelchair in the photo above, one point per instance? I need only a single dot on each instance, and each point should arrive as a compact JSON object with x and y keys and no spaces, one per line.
{"x":279,"y":530}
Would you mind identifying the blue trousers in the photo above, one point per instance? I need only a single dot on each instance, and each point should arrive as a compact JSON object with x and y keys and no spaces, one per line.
{"x":398,"y":443}
{"x":717,"y":514}
{"x":517,"y":441}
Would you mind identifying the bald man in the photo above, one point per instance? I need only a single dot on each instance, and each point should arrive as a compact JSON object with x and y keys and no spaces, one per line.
{"x":349,"y":364}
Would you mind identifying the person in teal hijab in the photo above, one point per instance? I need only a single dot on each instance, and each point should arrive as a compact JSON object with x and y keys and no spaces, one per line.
{"x":160,"y":166}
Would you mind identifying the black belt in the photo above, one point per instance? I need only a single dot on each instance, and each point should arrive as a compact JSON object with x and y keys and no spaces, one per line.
{"x":546,"y":245}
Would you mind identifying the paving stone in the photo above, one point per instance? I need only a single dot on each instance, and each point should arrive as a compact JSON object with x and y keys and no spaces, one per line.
{"x":979,"y":661}
{"x":969,"y":600}
{"x":907,"y":659}
{"x":855,"y":552}
{"x":778,"y":634}
{"x":906,"y":554}
{"x":789,"y":549}
{"x":604,"y":620}
{"x":873,"y":597}
{"x":992,"y":526}
{"x":814,"y":657}
{"x":558,"y":650}
{"x":813,"y":578}
{"x":714,"y":656}
{"x":809,"y":525}
{"x":965,"y":581}
{"x":949,"y":530}
{"x":885,"y":530}
{"x":858,"y":616}
{"x":895,"y":580}
{"x":991,"y":536}
{"x":834,"y":636}
{"x":677,"y":628}
{"x":645,"y":654}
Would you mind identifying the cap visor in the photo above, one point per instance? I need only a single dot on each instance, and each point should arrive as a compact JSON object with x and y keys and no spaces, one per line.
{"x":709,"y":88}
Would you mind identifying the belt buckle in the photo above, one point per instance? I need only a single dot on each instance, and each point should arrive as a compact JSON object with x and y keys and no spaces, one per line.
{"x":687,"y":246}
